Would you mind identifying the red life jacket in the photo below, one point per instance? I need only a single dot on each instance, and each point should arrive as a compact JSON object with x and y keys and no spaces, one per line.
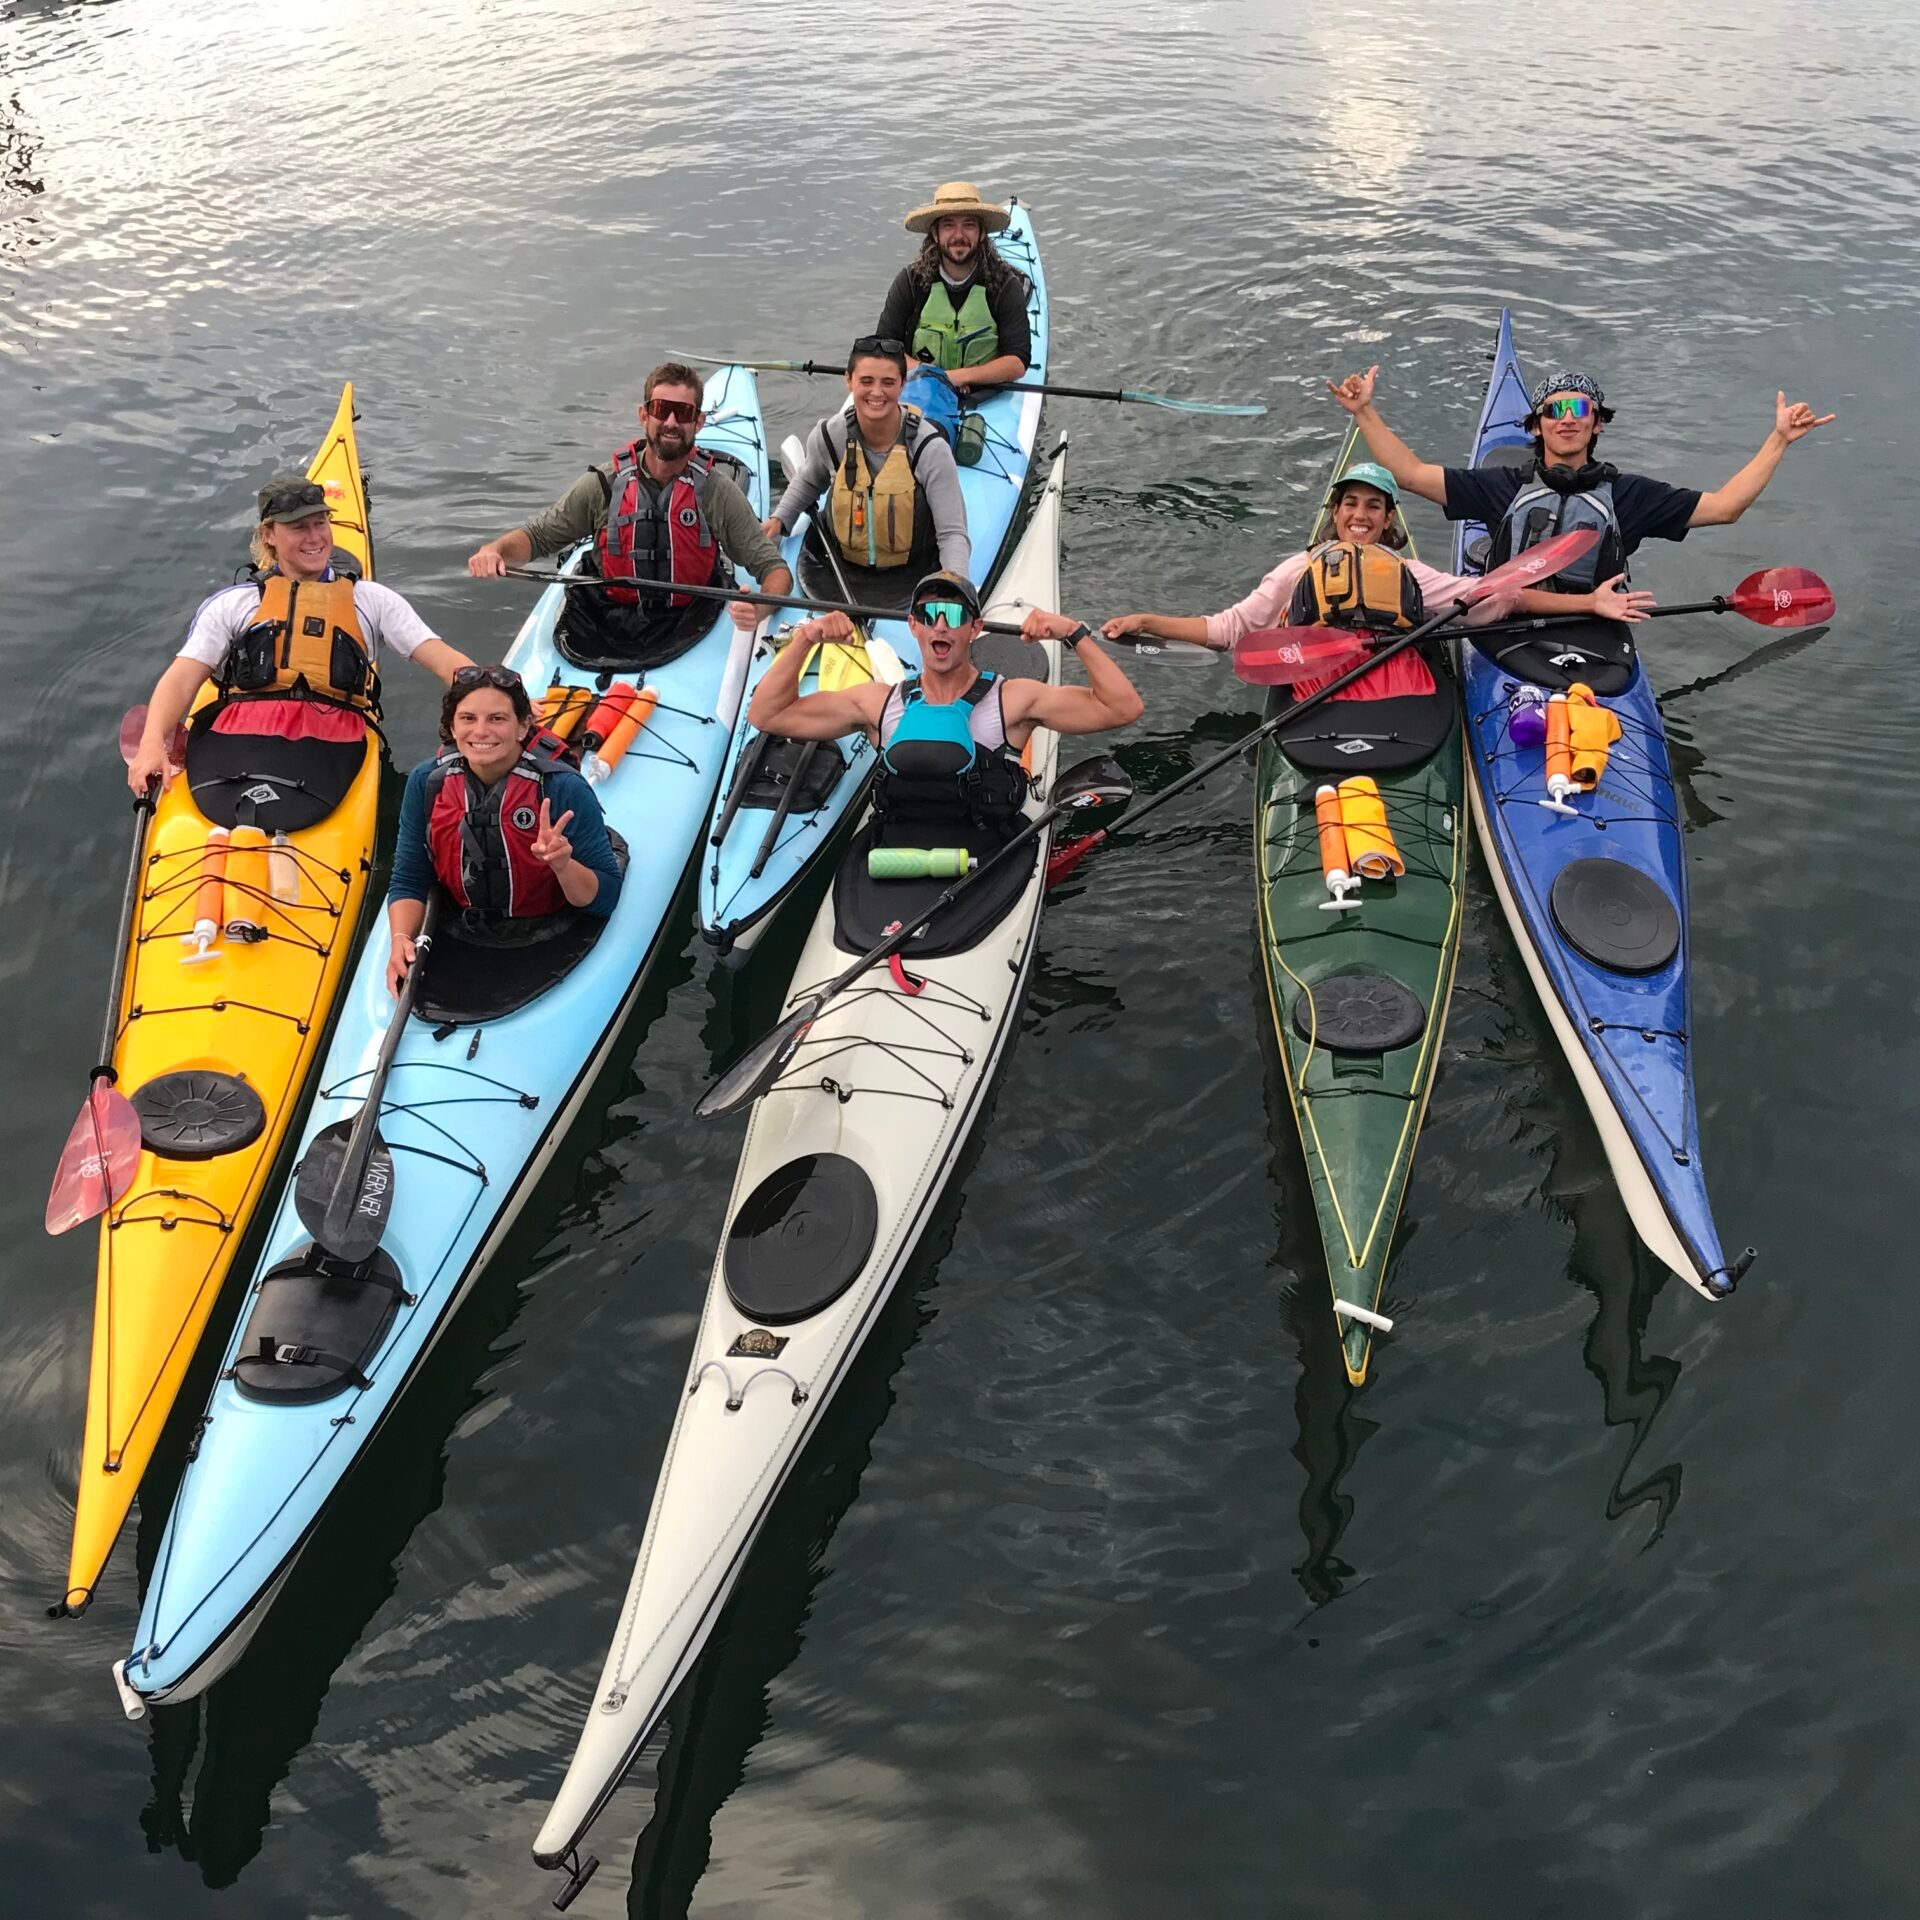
{"x":657,"y":535}
{"x":481,"y":840}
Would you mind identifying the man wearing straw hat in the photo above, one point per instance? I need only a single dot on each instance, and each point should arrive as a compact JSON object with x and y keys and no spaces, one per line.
{"x":957,"y":302}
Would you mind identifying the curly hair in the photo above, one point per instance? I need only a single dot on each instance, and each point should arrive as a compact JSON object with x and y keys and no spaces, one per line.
{"x":924,"y":268}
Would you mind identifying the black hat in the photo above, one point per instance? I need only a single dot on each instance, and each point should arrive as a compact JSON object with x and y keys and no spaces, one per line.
{"x":291,"y":496}
{"x":944,"y":584}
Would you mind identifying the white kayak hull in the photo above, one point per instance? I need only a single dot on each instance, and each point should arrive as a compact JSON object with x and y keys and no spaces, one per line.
{"x":910,"y":1072}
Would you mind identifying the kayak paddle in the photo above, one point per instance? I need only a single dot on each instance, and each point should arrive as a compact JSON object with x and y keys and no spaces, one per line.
{"x":343,"y":1191}
{"x":1283,"y":656}
{"x":1245,"y":410}
{"x":1537,"y":563}
{"x":133,"y":726}
{"x":1773,"y":597}
{"x":1186,"y":650}
{"x":102,"y":1153}
{"x":1098,"y":782}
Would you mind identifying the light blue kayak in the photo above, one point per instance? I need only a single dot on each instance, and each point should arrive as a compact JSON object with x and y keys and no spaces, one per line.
{"x":758,"y":848}
{"x":478,"y":1101}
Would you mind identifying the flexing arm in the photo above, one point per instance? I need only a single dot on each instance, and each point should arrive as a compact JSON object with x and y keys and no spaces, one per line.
{"x":1355,"y":395}
{"x":1108,"y":700}
{"x":779,"y":707}
{"x":1726,"y":504}
{"x":172,"y":696}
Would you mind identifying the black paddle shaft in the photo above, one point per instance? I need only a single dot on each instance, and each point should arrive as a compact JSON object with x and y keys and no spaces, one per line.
{"x":110,"y":1034}
{"x":345,"y":1197}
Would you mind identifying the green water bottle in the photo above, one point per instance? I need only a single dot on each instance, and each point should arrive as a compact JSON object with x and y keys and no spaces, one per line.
{"x":972,"y":442}
{"x":916,"y":863}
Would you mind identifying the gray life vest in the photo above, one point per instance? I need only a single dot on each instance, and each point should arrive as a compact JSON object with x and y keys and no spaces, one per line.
{"x":1540,"y":511}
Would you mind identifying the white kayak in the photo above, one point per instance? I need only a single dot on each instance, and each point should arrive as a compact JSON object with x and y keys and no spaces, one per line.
{"x":844,"y":1162}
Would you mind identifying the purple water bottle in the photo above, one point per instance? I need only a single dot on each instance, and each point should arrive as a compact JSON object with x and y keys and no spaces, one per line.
{"x":1527,"y":717}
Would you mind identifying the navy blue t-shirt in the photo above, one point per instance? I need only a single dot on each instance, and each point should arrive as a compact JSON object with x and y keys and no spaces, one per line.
{"x":1646,"y":509}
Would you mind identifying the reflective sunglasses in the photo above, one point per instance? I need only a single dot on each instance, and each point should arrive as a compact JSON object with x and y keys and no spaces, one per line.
{"x":502,"y":679}
{"x":876,"y":343}
{"x":683,"y":412}
{"x":1570,"y":406}
{"x":930,"y":613}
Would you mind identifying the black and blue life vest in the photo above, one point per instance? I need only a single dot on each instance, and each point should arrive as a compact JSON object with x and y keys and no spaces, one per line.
{"x":1560,"y":500}
{"x":947,"y":768}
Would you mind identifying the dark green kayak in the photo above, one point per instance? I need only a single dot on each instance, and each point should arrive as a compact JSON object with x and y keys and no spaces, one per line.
{"x":1359,"y":996}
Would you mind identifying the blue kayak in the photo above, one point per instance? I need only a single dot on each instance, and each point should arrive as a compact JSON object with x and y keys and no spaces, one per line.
{"x":1596,"y":895}
{"x":781,"y":802}
{"x":481,"y":1093}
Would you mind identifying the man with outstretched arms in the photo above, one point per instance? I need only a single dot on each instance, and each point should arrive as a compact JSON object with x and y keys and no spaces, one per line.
{"x":880,"y":481}
{"x":1566,"y":487}
{"x":663,"y":508}
{"x":950,"y":737}
{"x":957,"y":304}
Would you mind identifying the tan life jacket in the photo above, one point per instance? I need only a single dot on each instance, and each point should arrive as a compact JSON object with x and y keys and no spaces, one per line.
{"x":1364,"y":587}
{"x":882,"y":519}
{"x":305,"y":639}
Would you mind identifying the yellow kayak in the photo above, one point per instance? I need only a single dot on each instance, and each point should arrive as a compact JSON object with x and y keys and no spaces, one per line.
{"x":236,"y":959}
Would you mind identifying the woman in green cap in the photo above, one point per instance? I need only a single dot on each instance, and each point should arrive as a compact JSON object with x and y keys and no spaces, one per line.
{"x":1363,"y":509}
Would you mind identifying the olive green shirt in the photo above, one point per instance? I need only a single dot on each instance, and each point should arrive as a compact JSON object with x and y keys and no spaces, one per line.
{"x":581,"y":512}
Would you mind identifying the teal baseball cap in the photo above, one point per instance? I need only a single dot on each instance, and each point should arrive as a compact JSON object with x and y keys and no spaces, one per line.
{"x":1367,"y":473}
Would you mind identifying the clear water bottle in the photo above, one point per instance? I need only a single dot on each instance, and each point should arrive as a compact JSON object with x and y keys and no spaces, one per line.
{"x":1527,"y":717}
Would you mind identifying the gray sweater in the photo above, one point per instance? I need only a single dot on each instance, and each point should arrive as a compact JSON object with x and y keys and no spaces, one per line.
{"x":934,"y":470}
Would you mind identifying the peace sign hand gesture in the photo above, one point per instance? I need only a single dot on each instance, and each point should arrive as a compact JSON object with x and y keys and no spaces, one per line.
{"x":550,"y":842}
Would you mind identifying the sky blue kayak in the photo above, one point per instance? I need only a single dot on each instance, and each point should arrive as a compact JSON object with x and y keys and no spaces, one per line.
{"x":1596,"y":895}
{"x":481,"y":1093}
{"x":781,"y":802}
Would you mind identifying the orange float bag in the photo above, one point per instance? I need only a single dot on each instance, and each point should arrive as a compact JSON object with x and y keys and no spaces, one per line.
{"x":1591,"y":730}
{"x":1369,"y":839}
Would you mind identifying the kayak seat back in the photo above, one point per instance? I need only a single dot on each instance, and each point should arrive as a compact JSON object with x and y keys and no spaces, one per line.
{"x":261,"y":780}
{"x":1372,"y":736}
{"x":479,"y":972}
{"x":864,"y":908}
{"x":315,"y":1327}
{"x":1599,"y":652}
{"x":802,"y":1237}
{"x":774,"y":770}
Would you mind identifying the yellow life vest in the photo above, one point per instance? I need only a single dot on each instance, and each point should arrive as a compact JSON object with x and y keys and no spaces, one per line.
{"x":881,"y":519}
{"x":1349,"y":586}
{"x":305,"y":638}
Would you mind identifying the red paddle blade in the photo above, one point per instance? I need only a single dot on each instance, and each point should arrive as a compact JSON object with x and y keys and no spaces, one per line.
{"x":1535,"y":565}
{"x":1783,"y":597}
{"x":1062,"y":860}
{"x":98,"y":1163}
{"x":1283,"y":656}
{"x":133,"y":723}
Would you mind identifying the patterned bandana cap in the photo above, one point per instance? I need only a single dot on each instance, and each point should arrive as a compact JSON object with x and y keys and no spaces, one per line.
{"x":1567,"y":381}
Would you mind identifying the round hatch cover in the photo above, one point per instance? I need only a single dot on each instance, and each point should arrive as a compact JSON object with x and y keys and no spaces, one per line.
{"x":800,"y":1238}
{"x":1358,"y":1010}
{"x":1616,"y":916}
{"x":198,"y":1114}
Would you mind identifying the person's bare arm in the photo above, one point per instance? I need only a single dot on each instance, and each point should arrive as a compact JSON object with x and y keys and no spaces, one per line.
{"x":779,"y":707}
{"x":1001,"y":371}
{"x":510,"y":550}
{"x":1725,"y":504}
{"x":1355,"y":396}
{"x":1107,"y":701}
{"x":172,"y":696}
{"x":439,"y":659}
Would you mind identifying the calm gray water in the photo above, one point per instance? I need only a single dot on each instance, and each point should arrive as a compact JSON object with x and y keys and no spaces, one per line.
{"x":1100,"y":1594}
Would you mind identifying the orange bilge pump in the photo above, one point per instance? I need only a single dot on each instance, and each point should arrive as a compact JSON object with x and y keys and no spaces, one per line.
{"x":1580,"y":732}
{"x":1356,"y":843}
